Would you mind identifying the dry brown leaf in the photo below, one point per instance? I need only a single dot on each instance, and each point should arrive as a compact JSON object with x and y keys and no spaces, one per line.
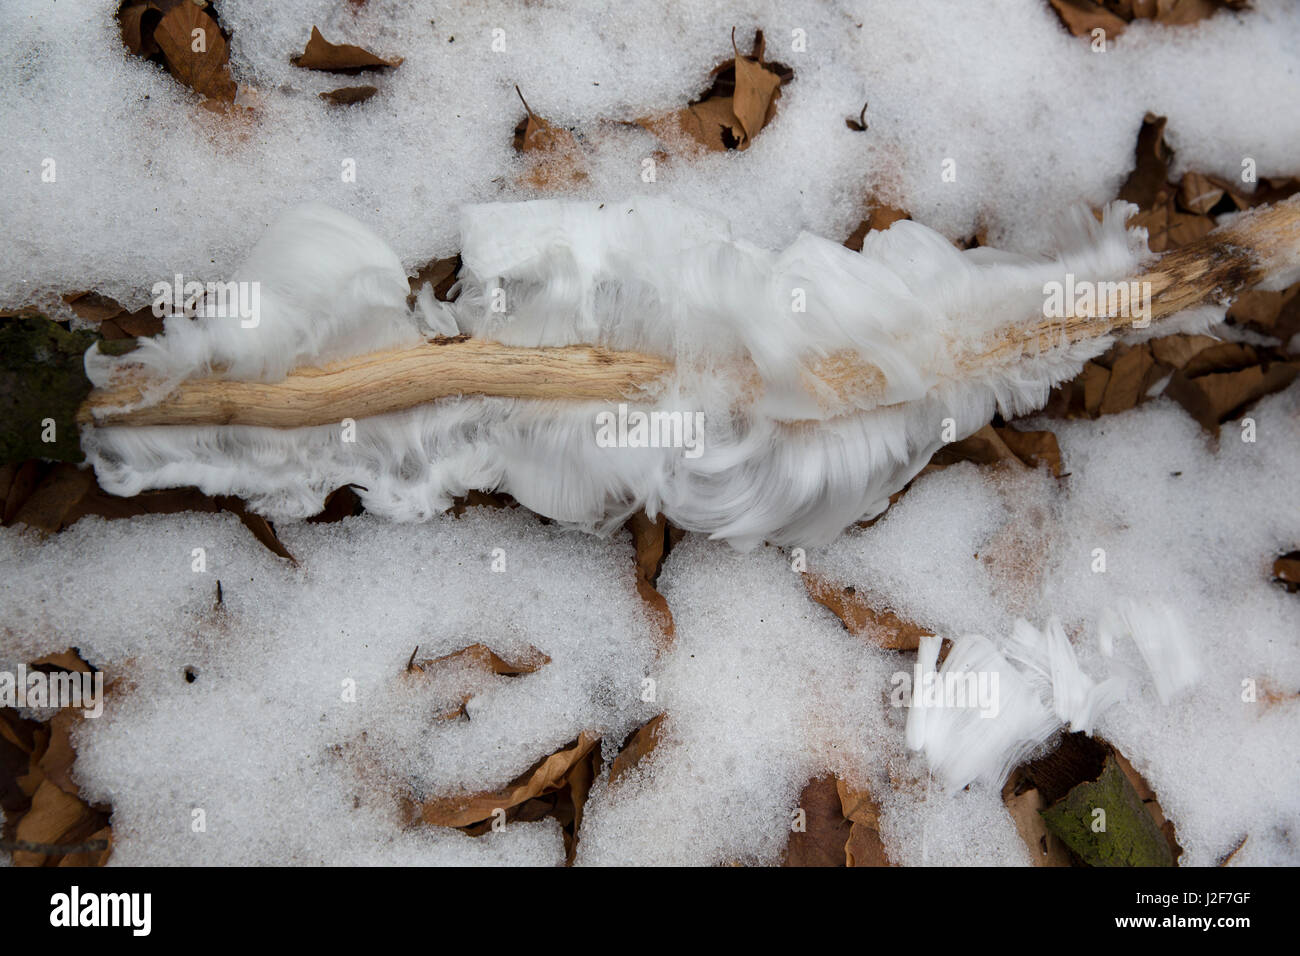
{"x":1033,"y":448}
{"x":858,"y":124}
{"x":650,"y":539}
{"x":55,"y":818}
{"x":1094,"y":378}
{"x":1150,"y":173}
{"x":579,"y":783}
{"x":138,"y":22}
{"x":883,"y":628}
{"x":339,"y":504}
{"x":1227,"y":857}
{"x":882,"y":217}
{"x":205,"y":70}
{"x":347,"y":95}
{"x":984,"y":447}
{"x":92,"y":857}
{"x":56,"y":762}
{"x":1127,"y":383}
{"x":640,"y":744}
{"x":328,"y":57}
{"x":756,"y":87}
{"x":1197,"y":194}
{"x":546,"y":776}
{"x":1274,"y":313}
{"x":262,"y":529}
{"x":826,"y":831}
{"x":1221,"y":357}
{"x":741,"y":101}
{"x":137,"y":37}
{"x":1181,"y":12}
{"x":1167,"y":228}
{"x":481,"y":657}
{"x":68,"y":660}
{"x":712,"y":124}
{"x":440,"y":273}
{"x":54,"y":499}
{"x":26,"y":476}
{"x":1081,"y":17}
{"x":1023,"y":802}
{"x":92,"y":307}
{"x":1286,"y":570}
{"x":556,"y":157}
{"x":1241,"y":196}
{"x":1177,"y":350}
{"x":1214,"y":398}
{"x":864,"y":846}
{"x":1003,"y":445}
{"x":481,"y":499}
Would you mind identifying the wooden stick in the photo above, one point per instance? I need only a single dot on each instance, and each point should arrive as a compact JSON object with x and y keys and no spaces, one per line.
{"x":387,"y":381}
{"x":1215,"y":268}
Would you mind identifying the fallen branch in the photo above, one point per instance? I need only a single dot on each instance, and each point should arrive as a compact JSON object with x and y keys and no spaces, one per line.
{"x":1225,"y":263}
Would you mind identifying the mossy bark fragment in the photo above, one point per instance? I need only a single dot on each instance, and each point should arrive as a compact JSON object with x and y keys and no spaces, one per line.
{"x":42,"y":383}
{"x":1105,"y":823}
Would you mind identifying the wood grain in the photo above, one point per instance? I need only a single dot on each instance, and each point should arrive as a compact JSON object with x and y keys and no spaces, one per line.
{"x":1216,"y":268}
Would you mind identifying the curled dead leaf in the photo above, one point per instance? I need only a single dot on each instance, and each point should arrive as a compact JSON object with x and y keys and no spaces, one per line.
{"x":1128,"y":381}
{"x":347,"y":95}
{"x":1151,"y":161}
{"x":546,"y":776}
{"x":883,"y":628}
{"x":1286,"y":571}
{"x":819,"y":829}
{"x":262,"y":529}
{"x":864,"y":846}
{"x":481,"y":657}
{"x":55,"y":498}
{"x":881,"y":217}
{"x":639,"y":745}
{"x":1198,"y":194}
{"x":327,"y":57}
{"x":1025,"y":803}
{"x":739,"y":103}
{"x":1081,"y":17}
{"x":196,"y":52}
{"x":1216,"y":397}
{"x":1167,"y":228}
{"x":651,"y":539}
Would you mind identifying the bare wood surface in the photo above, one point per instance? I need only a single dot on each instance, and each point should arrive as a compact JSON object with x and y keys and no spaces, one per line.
{"x":387,"y":382}
{"x":1216,"y":268}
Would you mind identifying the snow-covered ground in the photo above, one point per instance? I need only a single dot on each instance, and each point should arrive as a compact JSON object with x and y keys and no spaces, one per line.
{"x":301,"y":729}
{"x":764,"y":689}
{"x":1032,"y":118}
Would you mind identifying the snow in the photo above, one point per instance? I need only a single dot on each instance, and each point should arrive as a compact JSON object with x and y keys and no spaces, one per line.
{"x":286,"y":769}
{"x":1182,"y":523}
{"x":1034,"y":120}
{"x":763,"y":688}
